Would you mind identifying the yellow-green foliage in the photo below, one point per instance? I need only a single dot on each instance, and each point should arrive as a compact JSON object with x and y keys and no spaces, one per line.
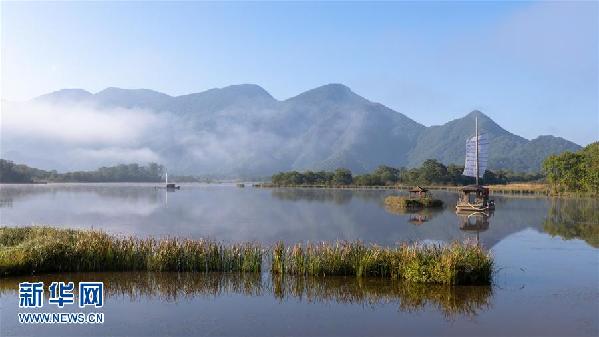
{"x":574,"y":171}
{"x":455,"y":263}
{"x":405,"y":202}
{"x":34,"y":250}
{"x":29,"y":250}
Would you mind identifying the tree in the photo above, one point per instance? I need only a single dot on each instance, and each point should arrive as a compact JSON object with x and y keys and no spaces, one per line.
{"x":574,"y":171}
{"x":387,"y":175}
{"x":432,"y":171}
{"x":342,"y":176}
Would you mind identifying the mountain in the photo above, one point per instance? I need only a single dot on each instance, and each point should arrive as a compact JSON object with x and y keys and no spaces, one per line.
{"x":506,"y":150}
{"x":243,"y":130}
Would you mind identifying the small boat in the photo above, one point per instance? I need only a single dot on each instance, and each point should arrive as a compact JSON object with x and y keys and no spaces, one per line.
{"x":170,"y":186}
{"x":475,"y":197}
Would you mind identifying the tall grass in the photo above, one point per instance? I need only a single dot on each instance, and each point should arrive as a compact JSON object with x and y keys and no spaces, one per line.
{"x":43,"y":249}
{"x":35,"y":250}
{"x":455,"y":263}
{"x":411,"y":203}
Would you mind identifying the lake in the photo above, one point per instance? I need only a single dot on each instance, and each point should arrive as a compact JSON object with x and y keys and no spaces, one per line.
{"x":546,"y":253}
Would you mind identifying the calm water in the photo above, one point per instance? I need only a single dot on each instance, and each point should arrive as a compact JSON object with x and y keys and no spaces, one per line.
{"x":546,"y":253}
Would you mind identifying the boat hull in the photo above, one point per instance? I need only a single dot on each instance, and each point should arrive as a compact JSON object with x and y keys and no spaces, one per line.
{"x":471,"y":207}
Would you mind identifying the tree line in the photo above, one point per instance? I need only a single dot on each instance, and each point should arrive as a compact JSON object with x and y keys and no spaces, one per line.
{"x":431,"y":172}
{"x":574,"y":171}
{"x":18,"y":173}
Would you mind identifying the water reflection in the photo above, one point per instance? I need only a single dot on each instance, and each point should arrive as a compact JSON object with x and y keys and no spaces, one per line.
{"x":411,"y":297}
{"x":474,"y":222}
{"x":295,"y":215}
{"x":574,"y":219}
{"x":452,"y":302}
{"x":337,"y":196}
{"x":415,"y":217}
{"x":124,"y":192}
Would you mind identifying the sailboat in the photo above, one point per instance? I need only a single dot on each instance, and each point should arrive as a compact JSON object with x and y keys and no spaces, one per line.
{"x":475,"y":197}
{"x":170,"y":186}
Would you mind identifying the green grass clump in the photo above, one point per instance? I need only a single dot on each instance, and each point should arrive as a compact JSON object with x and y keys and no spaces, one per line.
{"x":35,"y":250}
{"x":455,"y":263}
{"x":394,"y":201}
{"x":29,"y":250}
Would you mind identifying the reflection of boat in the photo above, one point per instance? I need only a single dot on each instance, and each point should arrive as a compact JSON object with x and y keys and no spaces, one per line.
{"x":475,"y":221}
{"x":475,"y":197}
{"x":415,"y":216}
{"x":418,"y":219}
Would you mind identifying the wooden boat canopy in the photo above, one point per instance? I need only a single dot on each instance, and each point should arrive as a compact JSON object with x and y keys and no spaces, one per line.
{"x":418,"y":192}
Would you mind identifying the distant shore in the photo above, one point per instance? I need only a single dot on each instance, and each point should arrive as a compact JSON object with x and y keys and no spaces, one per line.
{"x":517,"y":188}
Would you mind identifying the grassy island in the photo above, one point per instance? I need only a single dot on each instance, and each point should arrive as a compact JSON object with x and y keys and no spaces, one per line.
{"x":34,"y":250}
{"x":455,"y":263}
{"x":393,"y":201}
{"x":37,"y":250}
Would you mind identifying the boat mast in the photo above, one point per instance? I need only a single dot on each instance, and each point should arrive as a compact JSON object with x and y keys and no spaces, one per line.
{"x":476,"y":127}
{"x":166,"y":176}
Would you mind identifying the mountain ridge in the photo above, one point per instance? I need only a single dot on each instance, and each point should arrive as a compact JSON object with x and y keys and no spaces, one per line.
{"x":243,"y":129}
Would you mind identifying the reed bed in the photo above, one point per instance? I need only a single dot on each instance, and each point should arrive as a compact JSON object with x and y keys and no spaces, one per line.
{"x":30,"y":250}
{"x":394,"y":201}
{"x":521,"y":188}
{"x":36,"y":250}
{"x":454,"y":264}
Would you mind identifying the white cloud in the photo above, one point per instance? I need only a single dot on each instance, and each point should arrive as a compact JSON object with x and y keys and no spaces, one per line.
{"x":117,"y":154}
{"x":75,"y":123}
{"x":76,"y":136}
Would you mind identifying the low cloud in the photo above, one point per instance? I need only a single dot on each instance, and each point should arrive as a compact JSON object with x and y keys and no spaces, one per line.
{"x":117,"y":154}
{"x":83,"y":136}
{"x":78,"y":123}
{"x":76,"y":135}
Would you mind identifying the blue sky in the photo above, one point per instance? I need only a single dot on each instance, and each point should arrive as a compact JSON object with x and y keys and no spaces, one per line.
{"x":532,"y":67}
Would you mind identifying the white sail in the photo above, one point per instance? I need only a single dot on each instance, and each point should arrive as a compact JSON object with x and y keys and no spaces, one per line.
{"x":483,"y":154}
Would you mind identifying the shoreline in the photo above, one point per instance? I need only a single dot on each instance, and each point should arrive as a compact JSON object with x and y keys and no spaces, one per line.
{"x":516,"y":188}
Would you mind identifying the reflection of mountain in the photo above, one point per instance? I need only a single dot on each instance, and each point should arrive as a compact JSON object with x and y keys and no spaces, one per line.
{"x":231,"y":214}
{"x":338,"y":196}
{"x":86,"y":201}
{"x":128,"y":192}
{"x":574,"y":219}
{"x":451,"y":301}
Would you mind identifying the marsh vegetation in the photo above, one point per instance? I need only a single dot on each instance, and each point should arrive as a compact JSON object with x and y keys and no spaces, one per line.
{"x":455,"y":263}
{"x":403,"y":202}
{"x":31,"y":250}
{"x":34,"y":250}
